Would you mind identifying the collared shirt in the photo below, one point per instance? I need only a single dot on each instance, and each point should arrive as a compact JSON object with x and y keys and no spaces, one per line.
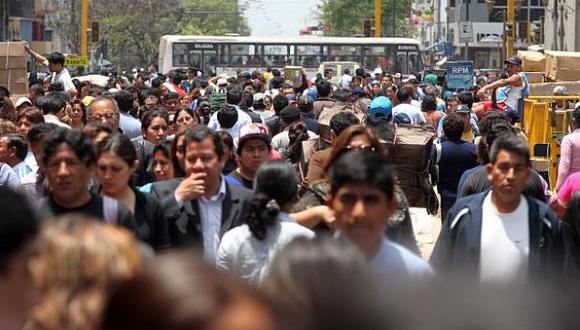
{"x":210,"y":212}
{"x":129,"y":125}
{"x":22,"y":169}
{"x":52,"y":119}
{"x":63,"y":77}
{"x":8,"y":177}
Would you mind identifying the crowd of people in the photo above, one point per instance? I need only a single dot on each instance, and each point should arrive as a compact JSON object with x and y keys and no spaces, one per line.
{"x":191,"y":201}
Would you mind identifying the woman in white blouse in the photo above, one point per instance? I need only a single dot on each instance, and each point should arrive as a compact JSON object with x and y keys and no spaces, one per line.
{"x":248,"y":250}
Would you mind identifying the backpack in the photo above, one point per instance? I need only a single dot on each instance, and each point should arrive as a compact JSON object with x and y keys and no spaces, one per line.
{"x":409,"y":150}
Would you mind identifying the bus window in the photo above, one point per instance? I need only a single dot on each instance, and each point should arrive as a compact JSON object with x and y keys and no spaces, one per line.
{"x":276,"y":55}
{"x":337,"y":53}
{"x":224,"y":55}
{"x":180,"y":55}
{"x":308,"y":56}
{"x":194,"y":58}
{"x":415,"y":64}
{"x":241,"y":54}
{"x":401,"y":65}
{"x":374,"y":56}
{"x":209,"y":60}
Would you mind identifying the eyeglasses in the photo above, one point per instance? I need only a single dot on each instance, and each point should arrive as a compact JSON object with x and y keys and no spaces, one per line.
{"x":107,"y":116}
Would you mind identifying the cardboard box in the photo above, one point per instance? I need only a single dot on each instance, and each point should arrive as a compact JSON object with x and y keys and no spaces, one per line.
{"x":563,"y":66}
{"x":13,"y":48}
{"x":12,"y":62}
{"x":540,"y":164}
{"x":532,"y":61}
{"x":293,"y":75}
{"x":18,"y":88}
{"x":535,"y":77}
{"x":547,"y":89}
{"x":13,"y":76}
{"x":565,"y":74}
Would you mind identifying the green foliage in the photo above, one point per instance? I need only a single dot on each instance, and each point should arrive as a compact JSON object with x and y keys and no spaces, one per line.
{"x":345,"y":17}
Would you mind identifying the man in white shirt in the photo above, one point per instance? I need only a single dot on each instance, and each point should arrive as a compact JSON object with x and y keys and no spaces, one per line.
{"x":231,"y":118}
{"x":55,"y":64}
{"x":13,"y":151}
{"x":501,"y":235}
{"x":53,"y":107}
{"x":410,"y":113}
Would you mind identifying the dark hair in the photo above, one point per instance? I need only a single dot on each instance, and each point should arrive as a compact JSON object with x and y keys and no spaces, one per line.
{"x":381,"y":127}
{"x":453,"y":126}
{"x":429,"y":103}
{"x":323,"y":87}
{"x":343,"y":120}
{"x":227,"y":116}
{"x":178,"y":170}
{"x":248,"y":100}
{"x":362,"y":167}
{"x":200,"y":133}
{"x":38,"y":132}
{"x":497,"y":130}
{"x":270,"y":177}
{"x":91,"y":130}
{"x":52,"y":104}
{"x":150,"y":115}
{"x":341,"y":95}
{"x":124,"y":100}
{"x":234,"y":96}
{"x":121,"y":145}
{"x":404,"y":94}
{"x":19,"y":225}
{"x":577,"y":116}
{"x":466,"y":98}
{"x":78,"y":142}
{"x":19,"y":143}
{"x":297,"y":133}
{"x":56,"y":58}
{"x":33,"y":115}
{"x":279,"y":102}
{"x":165,"y":149}
{"x":510,"y":143}
{"x":489,"y":119}
{"x":37,"y":89}
{"x":340,"y":145}
{"x":188,"y":111}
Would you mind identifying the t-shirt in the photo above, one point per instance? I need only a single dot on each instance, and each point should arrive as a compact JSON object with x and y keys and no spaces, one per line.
{"x":478,"y":183}
{"x":412,"y":111}
{"x":398,"y":263}
{"x":234,"y":131}
{"x":505,"y":243}
{"x":93,"y":208}
{"x":63,"y":77}
{"x":570,"y":186}
{"x":245,"y":182}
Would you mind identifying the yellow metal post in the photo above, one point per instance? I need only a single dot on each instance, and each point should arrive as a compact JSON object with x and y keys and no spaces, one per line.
{"x":378,"y":24}
{"x":511,"y":19}
{"x":84,"y":26}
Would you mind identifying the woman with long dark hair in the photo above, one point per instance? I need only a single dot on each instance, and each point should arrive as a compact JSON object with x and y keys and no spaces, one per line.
{"x":247,"y":250}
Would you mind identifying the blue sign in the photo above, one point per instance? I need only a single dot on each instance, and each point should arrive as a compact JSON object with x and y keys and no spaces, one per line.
{"x":459,"y":74}
{"x":448,"y":50}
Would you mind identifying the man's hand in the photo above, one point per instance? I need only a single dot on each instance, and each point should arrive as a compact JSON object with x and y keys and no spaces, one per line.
{"x":191,"y":187}
{"x":27,"y":47}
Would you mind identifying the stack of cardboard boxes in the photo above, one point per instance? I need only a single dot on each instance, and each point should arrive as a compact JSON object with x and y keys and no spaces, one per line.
{"x":13,"y":73}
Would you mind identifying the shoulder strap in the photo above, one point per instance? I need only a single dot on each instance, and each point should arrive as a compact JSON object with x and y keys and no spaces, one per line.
{"x":110,"y":210}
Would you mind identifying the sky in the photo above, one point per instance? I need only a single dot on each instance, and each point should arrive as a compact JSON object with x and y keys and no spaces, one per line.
{"x":282,"y":18}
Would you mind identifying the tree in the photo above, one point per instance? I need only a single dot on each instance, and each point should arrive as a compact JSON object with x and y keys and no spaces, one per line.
{"x":344,"y":18}
{"x":131,"y":29}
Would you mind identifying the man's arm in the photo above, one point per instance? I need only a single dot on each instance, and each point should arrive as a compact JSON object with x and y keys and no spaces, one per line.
{"x":41,"y":59}
{"x":514,"y":80}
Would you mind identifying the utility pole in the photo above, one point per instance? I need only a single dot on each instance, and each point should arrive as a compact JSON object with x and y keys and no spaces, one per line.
{"x":467,"y":3}
{"x":84,"y":27}
{"x":511,"y":19}
{"x":378,"y":24}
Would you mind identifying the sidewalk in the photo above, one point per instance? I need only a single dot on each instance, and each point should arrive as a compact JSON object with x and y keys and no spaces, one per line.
{"x":426,"y":229}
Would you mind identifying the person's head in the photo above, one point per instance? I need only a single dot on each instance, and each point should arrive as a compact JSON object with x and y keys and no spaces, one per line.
{"x":429,"y":103}
{"x":253,"y":148}
{"x":279,"y":102}
{"x":151,"y":101}
{"x":124,"y":100}
{"x":509,"y":167}
{"x":341,"y":121}
{"x":178,"y":152}
{"x":490,"y":119}
{"x":297,"y":133}
{"x":513,"y":65}
{"x":404,"y":94}
{"x":452,"y":104}
{"x":289,"y":115}
{"x":163,"y":162}
{"x":356,"y":137}
{"x":204,"y":153}
{"x":324,"y":88}
{"x":79,"y":261}
{"x":68,"y":158}
{"x":269,"y":199}
{"x":104,"y":110}
{"x":116,"y":161}
{"x":18,"y":230}
{"x":341,"y":95}
{"x":376,"y":87}
{"x":171,"y":102}
{"x":234,"y":96}
{"x":27,"y":119}
{"x":227,"y":116}
{"x":179,"y":291}
{"x":381,"y":106}
{"x":53,"y":105}
{"x":453,"y":126}
{"x":155,"y":125}
{"x":362,"y":196}
{"x":305,"y":104}
{"x":185,"y":118}
{"x":77,"y":113}
{"x":55,"y":62}
{"x":13,"y":148}
{"x":35,"y":92}
{"x":466,"y":98}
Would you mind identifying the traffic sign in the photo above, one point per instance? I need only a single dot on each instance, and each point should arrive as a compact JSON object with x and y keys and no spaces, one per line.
{"x":77,"y":61}
{"x":459,"y":74}
{"x":465,"y":32}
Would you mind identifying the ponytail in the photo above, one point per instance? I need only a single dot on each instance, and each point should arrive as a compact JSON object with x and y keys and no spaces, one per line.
{"x":262,"y":213}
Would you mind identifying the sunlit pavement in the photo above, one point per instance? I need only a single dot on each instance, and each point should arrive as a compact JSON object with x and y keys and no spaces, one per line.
{"x":426,"y":229}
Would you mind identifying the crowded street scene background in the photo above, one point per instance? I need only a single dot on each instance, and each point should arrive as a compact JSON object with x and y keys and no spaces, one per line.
{"x":193,"y":200}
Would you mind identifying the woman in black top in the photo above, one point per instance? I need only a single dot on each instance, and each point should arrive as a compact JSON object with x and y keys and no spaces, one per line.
{"x":116,"y":161}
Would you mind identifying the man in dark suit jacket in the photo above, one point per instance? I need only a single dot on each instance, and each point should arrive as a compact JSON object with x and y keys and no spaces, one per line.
{"x":201,"y":207}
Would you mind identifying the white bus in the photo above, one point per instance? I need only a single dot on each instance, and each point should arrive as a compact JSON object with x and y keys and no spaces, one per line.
{"x":231,"y":54}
